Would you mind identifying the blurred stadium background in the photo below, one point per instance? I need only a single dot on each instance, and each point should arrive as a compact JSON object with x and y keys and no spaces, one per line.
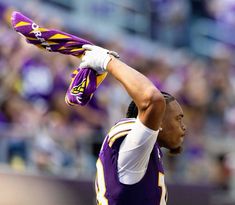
{"x":186,"y":47}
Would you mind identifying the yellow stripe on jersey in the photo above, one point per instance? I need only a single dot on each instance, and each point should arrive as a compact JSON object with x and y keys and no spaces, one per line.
{"x":119,"y":130}
{"x":121,"y":123}
{"x":121,"y":134}
{"x":100,"y":184}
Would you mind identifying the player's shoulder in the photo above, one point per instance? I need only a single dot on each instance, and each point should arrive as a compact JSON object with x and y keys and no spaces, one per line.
{"x":121,"y":125}
{"x":120,"y":129}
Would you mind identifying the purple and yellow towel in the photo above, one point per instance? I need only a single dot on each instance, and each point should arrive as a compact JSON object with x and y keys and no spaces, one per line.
{"x":49,"y":39}
{"x":84,"y":81}
{"x":83,"y":85}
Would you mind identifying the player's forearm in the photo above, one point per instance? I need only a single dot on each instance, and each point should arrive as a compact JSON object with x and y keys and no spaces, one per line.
{"x":134,"y":82}
{"x":140,"y":88}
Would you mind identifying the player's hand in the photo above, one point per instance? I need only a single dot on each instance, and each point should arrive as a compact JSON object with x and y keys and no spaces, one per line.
{"x":96,"y":58}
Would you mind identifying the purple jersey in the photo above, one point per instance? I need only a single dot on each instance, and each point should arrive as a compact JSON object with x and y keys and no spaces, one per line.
{"x":150,"y":190}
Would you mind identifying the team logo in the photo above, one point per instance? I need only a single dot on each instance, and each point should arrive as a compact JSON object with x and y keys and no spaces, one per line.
{"x":76,"y":90}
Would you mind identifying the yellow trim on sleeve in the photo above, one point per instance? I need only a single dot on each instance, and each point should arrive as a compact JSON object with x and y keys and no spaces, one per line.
{"x":115,"y":137}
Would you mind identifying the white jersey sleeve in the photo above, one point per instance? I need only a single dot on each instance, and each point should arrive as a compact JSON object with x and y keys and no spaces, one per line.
{"x":134,"y":153}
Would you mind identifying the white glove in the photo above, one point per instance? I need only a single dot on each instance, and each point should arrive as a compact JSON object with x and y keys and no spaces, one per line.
{"x":96,"y":58}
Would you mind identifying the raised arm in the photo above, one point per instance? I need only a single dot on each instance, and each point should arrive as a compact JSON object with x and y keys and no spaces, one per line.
{"x":148,"y":99}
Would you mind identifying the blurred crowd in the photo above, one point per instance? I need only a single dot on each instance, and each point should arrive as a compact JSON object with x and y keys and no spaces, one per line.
{"x":39,"y":133}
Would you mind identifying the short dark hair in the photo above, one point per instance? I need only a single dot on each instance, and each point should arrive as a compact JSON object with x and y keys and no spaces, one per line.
{"x":132,"y":110}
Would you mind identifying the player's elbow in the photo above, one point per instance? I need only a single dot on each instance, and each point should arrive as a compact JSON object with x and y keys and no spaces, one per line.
{"x":153,"y":100}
